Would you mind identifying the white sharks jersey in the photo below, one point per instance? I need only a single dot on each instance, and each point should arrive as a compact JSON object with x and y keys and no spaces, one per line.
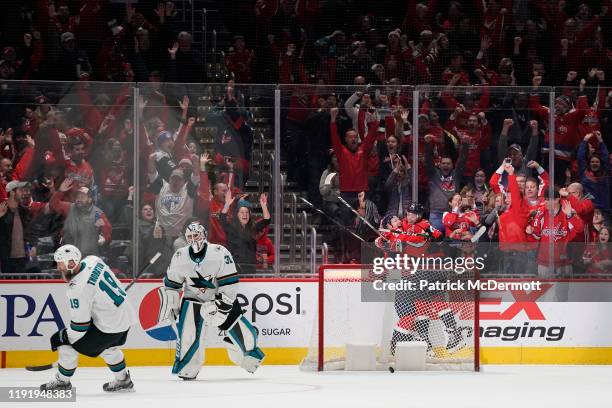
{"x":97,"y":297}
{"x":203,"y":275}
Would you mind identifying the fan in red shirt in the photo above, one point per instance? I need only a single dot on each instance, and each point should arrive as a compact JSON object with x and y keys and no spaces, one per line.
{"x":583,"y":207}
{"x":265,"y":249}
{"x":238,"y":61}
{"x":479,"y":131}
{"x":353,"y":158}
{"x":559,"y":227}
{"x":461,"y":219}
{"x":566,"y":125}
{"x":598,"y":256}
{"x":77,"y":168}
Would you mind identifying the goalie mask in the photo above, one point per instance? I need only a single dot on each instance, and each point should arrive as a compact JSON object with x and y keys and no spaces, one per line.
{"x":196,"y":235}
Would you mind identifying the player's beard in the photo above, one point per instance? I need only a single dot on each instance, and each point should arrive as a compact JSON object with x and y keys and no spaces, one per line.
{"x":66,"y":275}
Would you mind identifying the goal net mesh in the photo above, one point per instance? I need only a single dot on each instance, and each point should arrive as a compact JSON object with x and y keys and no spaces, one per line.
{"x":444,"y":319}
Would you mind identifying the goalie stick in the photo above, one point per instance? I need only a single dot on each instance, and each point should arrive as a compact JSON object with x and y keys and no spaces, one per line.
{"x":149,"y":264}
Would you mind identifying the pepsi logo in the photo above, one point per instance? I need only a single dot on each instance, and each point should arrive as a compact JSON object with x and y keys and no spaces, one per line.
{"x":147,"y":314}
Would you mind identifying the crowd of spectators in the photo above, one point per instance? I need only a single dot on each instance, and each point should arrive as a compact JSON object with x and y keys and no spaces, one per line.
{"x":67,"y":176}
{"x":482,"y":153}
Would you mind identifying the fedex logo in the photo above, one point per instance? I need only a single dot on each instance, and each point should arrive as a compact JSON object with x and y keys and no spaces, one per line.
{"x":523,"y":302}
{"x":20,"y":306}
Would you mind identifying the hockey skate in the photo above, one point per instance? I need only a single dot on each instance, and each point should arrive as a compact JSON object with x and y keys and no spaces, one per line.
{"x":125,"y":385}
{"x":56,"y":384}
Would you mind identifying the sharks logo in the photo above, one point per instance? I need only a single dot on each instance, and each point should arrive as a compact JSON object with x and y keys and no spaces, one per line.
{"x":202,"y":283}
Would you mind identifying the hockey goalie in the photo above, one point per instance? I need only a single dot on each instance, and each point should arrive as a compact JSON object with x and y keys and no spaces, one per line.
{"x":207,"y":275}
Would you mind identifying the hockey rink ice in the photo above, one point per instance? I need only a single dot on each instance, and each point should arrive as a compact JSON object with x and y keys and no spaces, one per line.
{"x":288,"y":387}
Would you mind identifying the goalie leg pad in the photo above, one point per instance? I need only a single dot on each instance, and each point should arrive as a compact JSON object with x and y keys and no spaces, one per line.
{"x":242,"y":345}
{"x":189,"y":345}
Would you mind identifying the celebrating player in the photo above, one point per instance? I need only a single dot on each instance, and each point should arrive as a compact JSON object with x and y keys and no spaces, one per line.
{"x":207,"y":274}
{"x":100,"y":317}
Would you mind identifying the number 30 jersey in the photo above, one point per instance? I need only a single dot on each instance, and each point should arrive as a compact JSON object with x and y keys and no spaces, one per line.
{"x":97,"y":298}
{"x":203,"y":275}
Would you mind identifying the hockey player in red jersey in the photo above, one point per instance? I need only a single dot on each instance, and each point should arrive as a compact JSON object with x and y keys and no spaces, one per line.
{"x":411,"y":234}
{"x":415,"y":226}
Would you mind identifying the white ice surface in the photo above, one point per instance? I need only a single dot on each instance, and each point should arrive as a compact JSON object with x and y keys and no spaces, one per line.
{"x":287,"y":387}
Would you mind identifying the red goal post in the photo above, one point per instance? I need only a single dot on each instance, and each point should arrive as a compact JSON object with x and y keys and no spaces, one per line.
{"x":343,"y":317}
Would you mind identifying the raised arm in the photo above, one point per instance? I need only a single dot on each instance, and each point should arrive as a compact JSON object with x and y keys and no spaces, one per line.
{"x":502,"y":143}
{"x":57,"y":202}
{"x":532,"y":149}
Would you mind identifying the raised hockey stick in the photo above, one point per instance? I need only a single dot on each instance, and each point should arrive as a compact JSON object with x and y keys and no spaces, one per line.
{"x":149,"y":264}
{"x":366,"y":222}
{"x":311,"y":205}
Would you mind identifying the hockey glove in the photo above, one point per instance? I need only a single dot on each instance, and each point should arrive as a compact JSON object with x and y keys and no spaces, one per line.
{"x":217,"y":311}
{"x":60,"y":338}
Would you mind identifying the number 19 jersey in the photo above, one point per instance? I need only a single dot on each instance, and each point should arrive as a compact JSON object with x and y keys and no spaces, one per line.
{"x":97,"y":298}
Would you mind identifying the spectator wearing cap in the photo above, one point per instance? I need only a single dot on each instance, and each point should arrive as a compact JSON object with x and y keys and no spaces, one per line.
{"x":515,"y":151}
{"x":71,"y":62}
{"x":242,"y":231}
{"x":14,"y":221}
{"x":174,"y":203}
{"x":163,"y":157}
{"x":86,"y":225}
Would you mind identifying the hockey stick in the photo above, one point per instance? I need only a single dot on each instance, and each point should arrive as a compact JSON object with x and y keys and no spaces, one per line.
{"x":151,"y":262}
{"x":54,"y":364}
{"x":311,"y":205}
{"x":366,"y":222}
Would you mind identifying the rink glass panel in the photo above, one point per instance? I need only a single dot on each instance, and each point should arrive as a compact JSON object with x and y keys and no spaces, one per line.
{"x":55,"y":114}
{"x":234,"y":125}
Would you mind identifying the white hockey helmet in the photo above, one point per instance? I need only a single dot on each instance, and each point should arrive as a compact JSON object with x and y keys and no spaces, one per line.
{"x":195,"y":235}
{"x":67,"y":253}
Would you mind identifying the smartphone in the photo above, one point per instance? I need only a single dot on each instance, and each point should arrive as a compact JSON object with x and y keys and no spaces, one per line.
{"x":508,"y":160}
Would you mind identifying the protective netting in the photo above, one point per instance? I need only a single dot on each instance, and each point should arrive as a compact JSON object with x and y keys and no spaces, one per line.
{"x":445,"y":320}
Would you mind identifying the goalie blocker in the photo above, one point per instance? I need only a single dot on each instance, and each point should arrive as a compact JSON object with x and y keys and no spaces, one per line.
{"x":207,"y":274}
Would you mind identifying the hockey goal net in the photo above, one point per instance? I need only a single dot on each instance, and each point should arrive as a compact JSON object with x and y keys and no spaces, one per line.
{"x":446,"y":320}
